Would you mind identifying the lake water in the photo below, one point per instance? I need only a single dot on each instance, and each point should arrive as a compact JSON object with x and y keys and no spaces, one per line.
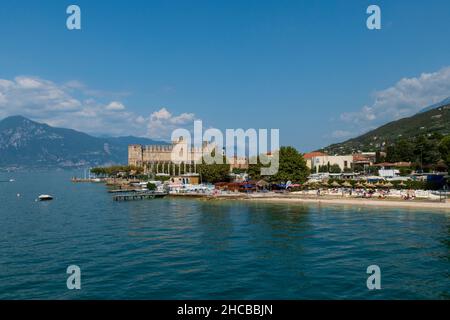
{"x":195,"y":249}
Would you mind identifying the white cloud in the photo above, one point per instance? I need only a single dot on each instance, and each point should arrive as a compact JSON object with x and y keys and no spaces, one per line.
{"x":115,"y":106}
{"x":183,"y":118}
{"x":30,"y":83}
{"x":2,"y":99}
{"x":405,"y":98}
{"x":34,"y":97}
{"x":162,"y":114}
{"x":70,"y":105}
{"x":161,"y":123}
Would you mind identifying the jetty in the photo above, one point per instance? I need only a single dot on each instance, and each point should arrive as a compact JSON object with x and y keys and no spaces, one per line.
{"x":124,"y":190}
{"x":129,"y":196}
{"x":87,"y":180}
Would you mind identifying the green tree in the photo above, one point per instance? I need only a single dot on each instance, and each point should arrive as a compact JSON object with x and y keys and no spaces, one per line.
{"x":238,"y":170}
{"x":254,"y":168}
{"x":426,"y":151}
{"x":213,"y":173}
{"x":391,"y":154}
{"x":404,"y":150}
{"x":335,"y":168}
{"x":444,"y":149}
{"x":379,"y":157}
{"x":114,"y":170}
{"x":358,"y":167}
{"x":292,"y":167}
{"x":151,"y":186}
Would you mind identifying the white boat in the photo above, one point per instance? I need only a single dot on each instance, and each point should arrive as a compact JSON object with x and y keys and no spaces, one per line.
{"x":45,"y":197}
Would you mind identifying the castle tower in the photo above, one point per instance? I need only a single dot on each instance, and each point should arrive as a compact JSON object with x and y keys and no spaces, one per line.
{"x":135,"y":155}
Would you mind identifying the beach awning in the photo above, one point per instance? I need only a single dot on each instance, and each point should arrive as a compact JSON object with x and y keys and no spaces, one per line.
{"x":347,"y":184}
{"x":311,"y":183}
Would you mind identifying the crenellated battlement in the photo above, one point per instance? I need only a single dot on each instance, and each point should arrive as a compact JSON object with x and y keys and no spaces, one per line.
{"x":157,"y":148}
{"x":139,"y":155}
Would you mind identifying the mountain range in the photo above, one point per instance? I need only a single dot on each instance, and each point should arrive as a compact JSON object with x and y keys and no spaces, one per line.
{"x":26,"y":143}
{"x":432,"y":119}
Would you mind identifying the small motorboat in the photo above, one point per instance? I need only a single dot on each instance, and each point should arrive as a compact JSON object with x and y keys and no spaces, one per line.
{"x":45,"y":197}
{"x":11,"y":180}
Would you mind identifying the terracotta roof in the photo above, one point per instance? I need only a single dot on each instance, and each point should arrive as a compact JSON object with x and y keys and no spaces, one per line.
{"x":311,"y":155}
{"x":360,"y":157}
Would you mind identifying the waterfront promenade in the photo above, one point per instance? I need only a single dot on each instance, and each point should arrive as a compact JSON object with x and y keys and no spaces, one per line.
{"x":271,"y":197}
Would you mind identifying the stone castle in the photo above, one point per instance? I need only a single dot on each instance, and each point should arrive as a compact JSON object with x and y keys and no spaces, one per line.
{"x":166,"y":158}
{"x":174,"y":158}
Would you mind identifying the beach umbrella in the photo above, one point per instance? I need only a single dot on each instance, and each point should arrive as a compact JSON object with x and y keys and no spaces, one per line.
{"x":262,"y":183}
{"x":388,"y":185}
{"x":359,"y":185}
{"x":307,"y":184}
{"x":369,"y":185}
{"x":335,"y":184}
{"x":347,"y":184}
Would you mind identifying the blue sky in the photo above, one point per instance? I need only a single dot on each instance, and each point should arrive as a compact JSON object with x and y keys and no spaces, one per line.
{"x":310,"y":68}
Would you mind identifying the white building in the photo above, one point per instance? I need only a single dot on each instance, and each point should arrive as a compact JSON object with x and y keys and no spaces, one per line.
{"x":389,"y":173}
{"x":315,"y":160}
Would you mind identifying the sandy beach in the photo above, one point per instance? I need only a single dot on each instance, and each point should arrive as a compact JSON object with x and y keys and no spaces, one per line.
{"x":323,"y":200}
{"x":417,"y":204}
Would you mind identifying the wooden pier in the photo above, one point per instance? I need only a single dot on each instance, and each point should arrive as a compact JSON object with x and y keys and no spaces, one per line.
{"x":129,"y":190}
{"x":138,"y":196}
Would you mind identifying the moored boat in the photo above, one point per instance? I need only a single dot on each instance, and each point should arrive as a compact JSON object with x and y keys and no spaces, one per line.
{"x":45,"y":197}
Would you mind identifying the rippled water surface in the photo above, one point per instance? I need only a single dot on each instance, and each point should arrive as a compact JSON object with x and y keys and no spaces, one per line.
{"x":193,"y":249}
